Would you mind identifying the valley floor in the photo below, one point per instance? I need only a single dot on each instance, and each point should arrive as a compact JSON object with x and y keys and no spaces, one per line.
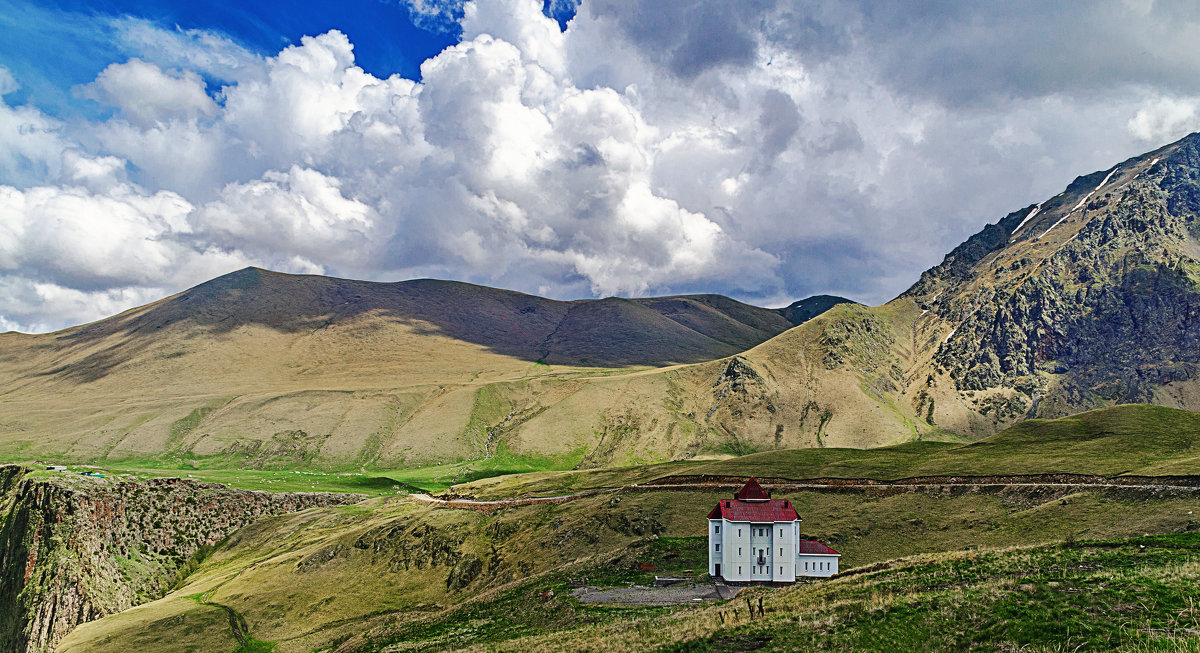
{"x":381,"y":576}
{"x":988,"y":546}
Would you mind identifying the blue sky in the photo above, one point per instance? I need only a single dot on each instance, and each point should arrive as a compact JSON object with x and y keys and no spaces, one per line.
{"x":767,"y":150}
{"x":53,"y":46}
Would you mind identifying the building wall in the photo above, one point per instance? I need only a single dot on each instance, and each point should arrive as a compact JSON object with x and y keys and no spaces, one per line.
{"x":818,"y":565}
{"x":740,"y":543}
{"x":784,"y":569}
{"x":761,"y":551}
{"x":715,"y":537}
{"x":736,"y":558}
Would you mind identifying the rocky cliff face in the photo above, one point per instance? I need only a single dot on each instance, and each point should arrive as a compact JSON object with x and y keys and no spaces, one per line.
{"x":1099,"y":299}
{"x":75,"y":549}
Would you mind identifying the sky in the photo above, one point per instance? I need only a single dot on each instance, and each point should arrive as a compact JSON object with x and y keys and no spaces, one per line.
{"x":765,"y":149}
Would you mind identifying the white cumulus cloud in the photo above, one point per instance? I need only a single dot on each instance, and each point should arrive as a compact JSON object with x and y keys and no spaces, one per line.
{"x":145,"y":94}
{"x":765,"y":150}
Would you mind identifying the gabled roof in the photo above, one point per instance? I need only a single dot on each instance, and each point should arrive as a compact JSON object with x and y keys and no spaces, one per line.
{"x":772,"y":510}
{"x":813,"y":546}
{"x":752,"y":491}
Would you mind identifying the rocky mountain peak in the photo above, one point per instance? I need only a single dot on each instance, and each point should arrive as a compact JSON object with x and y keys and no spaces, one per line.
{"x":1094,"y":292}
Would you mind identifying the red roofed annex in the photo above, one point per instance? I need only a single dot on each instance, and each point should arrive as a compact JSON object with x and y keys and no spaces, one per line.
{"x":753,"y":537}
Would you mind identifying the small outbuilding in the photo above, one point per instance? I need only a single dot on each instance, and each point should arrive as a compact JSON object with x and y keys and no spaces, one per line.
{"x":753,"y":537}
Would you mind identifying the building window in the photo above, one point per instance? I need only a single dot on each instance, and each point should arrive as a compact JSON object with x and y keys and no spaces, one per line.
{"x":781,"y":532}
{"x":718,"y":547}
{"x":739,"y":550}
{"x":739,"y":571}
{"x":718,"y":530}
{"x":781,"y":552}
{"x":806,"y":566}
{"x":739,"y":532}
{"x":781,"y":571}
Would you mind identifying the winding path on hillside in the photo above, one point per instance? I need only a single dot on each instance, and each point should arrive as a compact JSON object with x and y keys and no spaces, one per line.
{"x":1065,"y":481}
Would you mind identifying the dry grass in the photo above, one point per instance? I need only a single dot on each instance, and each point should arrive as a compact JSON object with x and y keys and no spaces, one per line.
{"x":366,"y":593}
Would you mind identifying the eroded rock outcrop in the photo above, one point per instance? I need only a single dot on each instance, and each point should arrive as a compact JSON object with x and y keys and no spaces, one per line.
{"x":74,"y":549}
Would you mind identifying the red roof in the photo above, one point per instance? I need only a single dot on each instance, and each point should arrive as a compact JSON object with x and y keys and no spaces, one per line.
{"x":752,"y":491}
{"x":813,"y":546}
{"x":754,"y":511}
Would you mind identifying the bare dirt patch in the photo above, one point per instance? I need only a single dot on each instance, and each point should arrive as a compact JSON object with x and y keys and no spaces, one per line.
{"x":670,"y":595}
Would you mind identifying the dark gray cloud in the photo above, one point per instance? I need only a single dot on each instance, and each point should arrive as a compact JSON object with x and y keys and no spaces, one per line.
{"x":689,"y":36}
{"x":778,"y":122}
{"x":980,"y":53}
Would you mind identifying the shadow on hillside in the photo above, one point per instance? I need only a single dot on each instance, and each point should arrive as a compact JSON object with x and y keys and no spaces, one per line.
{"x":610,"y":332}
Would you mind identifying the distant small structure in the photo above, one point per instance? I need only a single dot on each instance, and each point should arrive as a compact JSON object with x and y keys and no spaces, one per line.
{"x":56,"y":468}
{"x":753,"y":537}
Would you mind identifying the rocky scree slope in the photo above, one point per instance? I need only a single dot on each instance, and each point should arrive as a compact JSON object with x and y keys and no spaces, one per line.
{"x":1092,"y":300}
{"x":76,"y":549}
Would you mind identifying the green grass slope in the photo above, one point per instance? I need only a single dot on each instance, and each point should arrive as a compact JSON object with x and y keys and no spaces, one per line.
{"x":1129,"y":440}
{"x":398,"y":574}
{"x":1121,"y":440}
{"x":1135,"y":594}
{"x":392,"y":573}
{"x":1138,"y":440}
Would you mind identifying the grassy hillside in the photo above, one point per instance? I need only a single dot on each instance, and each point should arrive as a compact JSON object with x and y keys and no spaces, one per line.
{"x":1122,"y":440}
{"x":396,"y":573}
{"x":1134,"y":594}
{"x":265,"y":370}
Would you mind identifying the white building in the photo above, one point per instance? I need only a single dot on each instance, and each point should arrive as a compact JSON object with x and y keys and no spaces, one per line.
{"x":753,"y":537}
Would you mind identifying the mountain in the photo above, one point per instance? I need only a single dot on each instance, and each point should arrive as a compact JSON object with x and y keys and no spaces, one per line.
{"x":263,"y":365}
{"x":803,"y":310}
{"x":1087,"y":299}
{"x":608,"y":332}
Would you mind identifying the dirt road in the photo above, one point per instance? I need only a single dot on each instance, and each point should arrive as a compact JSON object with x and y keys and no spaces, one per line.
{"x":1152,"y":487}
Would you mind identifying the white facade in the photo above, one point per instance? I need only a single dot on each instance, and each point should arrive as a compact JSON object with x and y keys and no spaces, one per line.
{"x":817,"y":564}
{"x":766,"y":551}
{"x":754,"y":551}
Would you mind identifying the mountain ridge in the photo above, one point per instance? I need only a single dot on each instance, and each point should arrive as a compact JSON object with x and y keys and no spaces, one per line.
{"x":266,"y":366}
{"x":1087,"y":299}
{"x":705,"y":326}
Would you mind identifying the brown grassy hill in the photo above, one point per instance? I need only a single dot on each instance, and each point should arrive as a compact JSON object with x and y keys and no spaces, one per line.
{"x":266,"y":367}
{"x":609,"y":332}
